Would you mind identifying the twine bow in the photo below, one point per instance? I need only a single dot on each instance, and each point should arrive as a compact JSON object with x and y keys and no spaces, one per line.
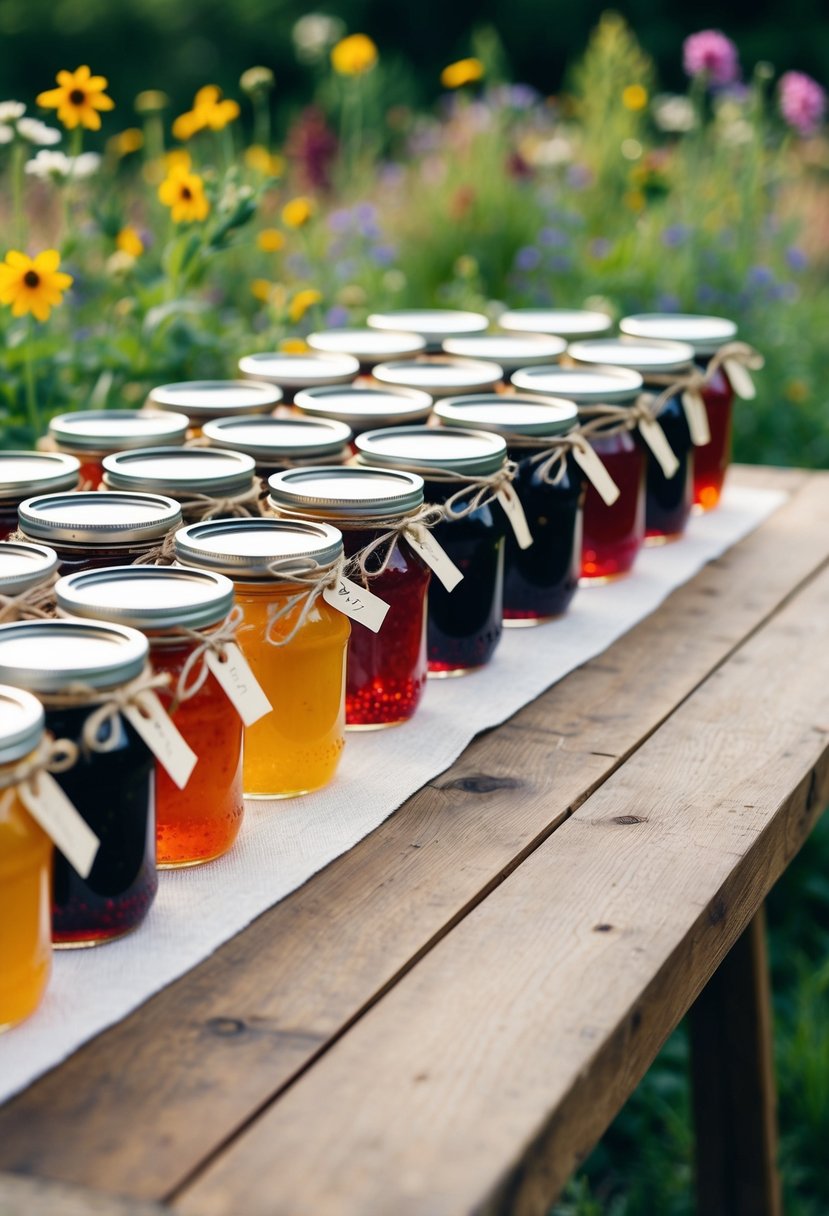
{"x":195,"y":671}
{"x":606,"y":419}
{"x":552,"y":460}
{"x":696,"y":379}
{"x":34,"y":604}
{"x":108,"y":703}
{"x":392,"y":527}
{"x":162,"y":554}
{"x":313,"y":579}
{"x":50,"y":756}
{"x":197,"y":507}
{"x":475,"y":491}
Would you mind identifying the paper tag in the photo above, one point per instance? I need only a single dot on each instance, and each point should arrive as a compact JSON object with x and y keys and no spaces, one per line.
{"x":654,"y":437}
{"x":435,"y":557}
{"x":697,"y":416}
{"x":162,"y":737}
{"x":240,"y":685}
{"x":740,"y":378}
{"x":357,"y":603}
{"x":48,"y":805}
{"x":511,"y":503}
{"x":596,"y":474}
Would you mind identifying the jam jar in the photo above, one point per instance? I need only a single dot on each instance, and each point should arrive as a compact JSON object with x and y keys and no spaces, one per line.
{"x":367,"y":346}
{"x":668,"y":500}
{"x":204,"y":482}
{"x":293,"y":372}
{"x":23,"y":474}
{"x":112,"y":789}
{"x":93,"y":434}
{"x":440,"y":377}
{"x":365,"y":407}
{"x":507,"y":351}
{"x":27,"y":576}
{"x":294,"y":641}
{"x":386,"y":671}
{"x":613,"y":535}
{"x":540,"y":581}
{"x":25,"y":868}
{"x":464,"y":625}
{"x":705,"y":335}
{"x":201,"y":400}
{"x":91,"y":529}
{"x":282,"y":443}
{"x":568,"y":323}
{"x":431,"y":324}
{"x":177,"y":609}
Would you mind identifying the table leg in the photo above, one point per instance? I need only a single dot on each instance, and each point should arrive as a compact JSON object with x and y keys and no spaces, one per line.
{"x":733,"y":1084}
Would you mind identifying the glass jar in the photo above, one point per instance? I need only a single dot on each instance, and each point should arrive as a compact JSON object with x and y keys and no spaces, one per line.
{"x":27,"y":574}
{"x":568,"y":323}
{"x":292,"y":372}
{"x":90,"y":435}
{"x":202,"y":400}
{"x":90,"y":529}
{"x":204,"y":482}
{"x":431,"y":324}
{"x":25,"y":869}
{"x":296,"y":748}
{"x":367,"y":346}
{"x":23,"y":474}
{"x":705,"y":335}
{"x":386,"y":671}
{"x":509,"y":352}
{"x":113,"y":790}
{"x":200,"y":822}
{"x":540,"y":581}
{"x":613,"y":535}
{"x":365,"y":407}
{"x":440,"y":377}
{"x":464,"y":625}
{"x":282,"y":443}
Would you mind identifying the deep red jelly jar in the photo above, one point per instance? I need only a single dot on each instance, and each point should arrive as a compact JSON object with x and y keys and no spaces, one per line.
{"x":386,"y":671}
{"x":175,"y":609}
{"x":90,"y":435}
{"x":207,"y":483}
{"x":23,"y":474}
{"x":91,"y":529}
{"x":464,"y":625}
{"x":613,"y":535}
{"x":367,"y":346}
{"x":365,"y":407}
{"x":112,"y":789}
{"x":282,"y":443}
{"x":291,"y":373}
{"x":203,"y":400}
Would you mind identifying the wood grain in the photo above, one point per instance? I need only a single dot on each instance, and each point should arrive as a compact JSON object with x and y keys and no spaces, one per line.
{"x":33,"y":1197}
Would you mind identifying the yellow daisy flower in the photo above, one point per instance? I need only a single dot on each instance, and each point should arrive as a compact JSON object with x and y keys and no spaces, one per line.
{"x":354,"y":55}
{"x":302,"y":301}
{"x":270,"y":240}
{"x":261,"y":160}
{"x":32,"y":285}
{"x":183,"y":193}
{"x":297,"y":212}
{"x":78,"y":98}
{"x":126,"y":142}
{"x":261,"y":289}
{"x":293,"y":346}
{"x":128,"y":241}
{"x":209,"y":111}
{"x":464,"y":71}
{"x":634,"y":97}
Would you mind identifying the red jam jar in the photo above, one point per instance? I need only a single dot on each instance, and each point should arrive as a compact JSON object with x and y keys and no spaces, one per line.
{"x":540,"y":581}
{"x":365,"y":407}
{"x":167,"y":604}
{"x":440,"y":377}
{"x":202,"y":400}
{"x":90,"y":529}
{"x":93,"y":434}
{"x":567,"y":323}
{"x":23,"y":474}
{"x":464,"y":625}
{"x":205,"y":482}
{"x":668,"y":500}
{"x":27,"y":576}
{"x":509,"y":352}
{"x":293,"y":372}
{"x":386,"y":671}
{"x":705,"y":335}
{"x":613,"y":535}
{"x":282,"y":443}
{"x":113,"y":790}
{"x":367,"y":346}
{"x":433,"y":325}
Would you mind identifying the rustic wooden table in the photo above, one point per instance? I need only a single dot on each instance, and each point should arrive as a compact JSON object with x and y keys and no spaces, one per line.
{"x":447,"y":1018}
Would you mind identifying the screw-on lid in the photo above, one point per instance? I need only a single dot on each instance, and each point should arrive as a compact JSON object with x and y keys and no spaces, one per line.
{"x":347,"y":492}
{"x":147,"y":597}
{"x":564,"y":322}
{"x":25,"y":473}
{"x":246,"y":548}
{"x":433,"y":324}
{"x":46,"y":656}
{"x":180,"y":471}
{"x":705,"y":334}
{"x":364,"y":408}
{"x":477,"y":453}
{"x":508,"y":415}
{"x":641,"y":355}
{"x":301,"y":370}
{"x":116,"y":430}
{"x":269,"y":440}
{"x":582,"y":385}
{"x":96,"y":518}
{"x":202,"y":399}
{"x":367,"y":345}
{"x":23,"y":566}
{"x":509,"y":351}
{"x":440,"y":377}
{"x":21,"y":723}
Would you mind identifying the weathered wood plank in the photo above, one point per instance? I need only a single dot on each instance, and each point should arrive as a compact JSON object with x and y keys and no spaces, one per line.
{"x":480,"y":1081}
{"x":32,"y":1197}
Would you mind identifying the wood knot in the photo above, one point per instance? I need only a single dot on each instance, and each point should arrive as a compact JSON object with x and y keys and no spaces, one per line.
{"x":226,"y":1028}
{"x":481,"y":783}
{"x":717,"y":912}
{"x":602,"y":928}
{"x":626,"y":819}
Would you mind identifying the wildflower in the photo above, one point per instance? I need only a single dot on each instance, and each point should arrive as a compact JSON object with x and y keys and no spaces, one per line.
{"x":151,"y":101}
{"x":32,"y":285}
{"x":600,"y":247}
{"x":129,"y":241}
{"x":297,"y":212}
{"x":302,"y":301}
{"x":710,"y":54}
{"x":673,"y":113}
{"x":313,"y":34}
{"x":802,"y":102}
{"x":796,"y":259}
{"x":634,"y":200}
{"x":11,"y":110}
{"x":261,"y":289}
{"x":293,"y":346}
{"x":78,"y":98}
{"x":797,"y":391}
{"x":336,"y":317}
{"x":58,"y":166}
{"x":120,"y":263}
{"x":312,"y":147}
{"x":261,"y":160}
{"x":37,"y":132}
{"x":354,"y":55}
{"x":463,"y":71}
{"x":528,"y":258}
{"x":177,"y":158}
{"x":183,"y":193}
{"x":126,"y":142}
{"x":6,"y":134}
{"x":209,"y":111}
{"x":555,"y":151}
{"x":270,"y":240}
{"x":256,"y":80}
{"x":634,"y":97}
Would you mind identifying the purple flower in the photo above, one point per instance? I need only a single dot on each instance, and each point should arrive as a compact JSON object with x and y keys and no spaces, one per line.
{"x":383,"y":255}
{"x":710,"y":54}
{"x":668,"y":303}
{"x":600,"y":247}
{"x":528,"y":258}
{"x":514,"y":96}
{"x":760,"y":276}
{"x":553,"y":238}
{"x":561,"y":263}
{"x":705,"y":294}
{"x":796,"y":259}
{"x":345,"y":269}
{"x":785,"y":292}
{"x":675,"y":235}
{"x":340,"y":220}
{"x":579,"y":176}
{"x":802,"y":102}
{"x":336,"y":317}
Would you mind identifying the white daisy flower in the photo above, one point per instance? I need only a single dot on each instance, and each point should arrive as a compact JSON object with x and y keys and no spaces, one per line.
{"x":10,"y":110}
{"x":37,"y":132}
{"x":47,"y":165}
{"x":6,"y":134}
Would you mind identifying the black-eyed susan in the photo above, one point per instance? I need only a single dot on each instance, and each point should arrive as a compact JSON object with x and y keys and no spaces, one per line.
{"x":210,"y":111}
{"x":297,"y":212}
{"x":78,"y":99}
{"x":463,"y":71}
{"x":183,"y":192}
{"x":129,"y":241}
{"x":32,"y":285}
{"x":271,"y":240}
{"x":302,"y":301}
{"x":126,"y":142}
{"x":354,"y":55}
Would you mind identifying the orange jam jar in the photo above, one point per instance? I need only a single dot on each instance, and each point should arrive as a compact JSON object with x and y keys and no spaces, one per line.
{"x":90,"y":529}
{"x":294,"y":641}
{"x":202,"y":400}
{"x":365,"y":407}
{"x":290,"y":373}
{"x":177,"y":610}
{"x":367,"y":346}
{"x":432,"y":324}
{"x":25,"y":868}
{"x":23,"y":474}
{"x":90,"y":435}
{"x":204,"y":482}
{"x":281,"y":443}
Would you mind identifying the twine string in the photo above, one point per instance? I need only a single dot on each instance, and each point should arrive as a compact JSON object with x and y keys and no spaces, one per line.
{"x":195,"y":671}
{"x":50,"y":756}
{"x":108,"y":703}
{"x":34,"y":604}
{"x":475,"y":490}
{"x":312,"y":579}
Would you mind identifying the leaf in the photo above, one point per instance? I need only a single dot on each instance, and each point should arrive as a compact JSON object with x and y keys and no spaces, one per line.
{"x":162,"y":313}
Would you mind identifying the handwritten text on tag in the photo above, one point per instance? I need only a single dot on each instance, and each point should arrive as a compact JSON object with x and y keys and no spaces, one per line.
{"x":162,"y":737}
{"x":240,"y":685}
{"x":591,"y":465}
{"x":435,"y":557}
{"x":48,"y":805}
{"x":697,"y":417}
{"x":511,"y":503}
{"x":357,"y":603}
{"x":740,"y":378}
{"x":654,"y":437}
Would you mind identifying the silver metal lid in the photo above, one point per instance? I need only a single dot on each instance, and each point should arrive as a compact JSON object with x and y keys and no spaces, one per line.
{"x":564,"y":322}
{"x":97,"y":518}
{"x":268,"y":440}
{"x":246,"y":548}
{"x":46,"y":656}
{"x":364,"y":407}
{"x":582,"y":385}
{"x":478,"y":453}
{"x":25,"y":473}
{"x":705,"y":334}
{"x":147,"y":597}
{"x":440,"y":377}
{"x":200,"y":399}
{"x":347,"y":492}
{"x":433,"y":324}
{"x":175,"y":471}
{"x":509,"y":415}
{"x":367,"y":345}
{"x":23,"y":566}
{"x":641,"y":355}
{"x":117,"y":430}
{"x":301,"y":370}
{"x":509,"y":351}
{"x":22,"y":723}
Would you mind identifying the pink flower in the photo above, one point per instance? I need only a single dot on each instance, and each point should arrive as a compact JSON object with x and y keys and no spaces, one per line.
{"x":802,"y":102}
{"x":709,"y":53}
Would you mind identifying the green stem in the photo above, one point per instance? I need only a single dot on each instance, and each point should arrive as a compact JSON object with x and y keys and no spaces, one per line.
{"x":261,"y":119}
{"x":17,"y":190}
{"x":31,"y":391}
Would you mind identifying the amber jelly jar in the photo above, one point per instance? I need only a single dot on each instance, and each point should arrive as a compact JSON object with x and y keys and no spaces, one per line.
{"x":90,"y":435}
{"x":91,"y":529}
{"x":24,"y":474}
{"x":203,"y":400}
{"x":198,"y":479}
{"x":365,"y":407}
{"x":282,"y":443}
{"x":291,"y":373}
{"x":200,"y":822}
